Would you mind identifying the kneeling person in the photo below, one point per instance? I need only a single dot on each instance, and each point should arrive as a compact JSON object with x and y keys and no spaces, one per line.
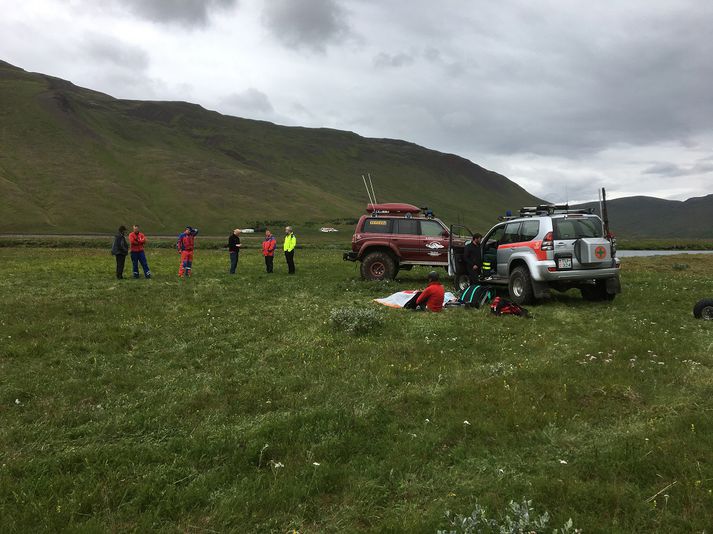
{"x":432,"y":296}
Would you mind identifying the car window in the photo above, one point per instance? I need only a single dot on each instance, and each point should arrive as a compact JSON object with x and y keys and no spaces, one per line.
{"x":529,"y":230}
{"x":431,"y":229}
{"x":496,"y":235}
{"x":577,"y":228}
{"x":511,"y":233}
{"x":377,"y":226}
{"x":406,"y":226}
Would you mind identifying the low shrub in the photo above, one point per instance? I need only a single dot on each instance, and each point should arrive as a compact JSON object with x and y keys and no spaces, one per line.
{"x":520,"y":518}
{"x":356,"y":321}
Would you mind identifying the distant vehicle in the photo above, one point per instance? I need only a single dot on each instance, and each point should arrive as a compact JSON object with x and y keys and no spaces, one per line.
{"x":393,"y":237}
{"x":552,"y":247}
{"x":248,"y":231}
{"x":326,"y":229}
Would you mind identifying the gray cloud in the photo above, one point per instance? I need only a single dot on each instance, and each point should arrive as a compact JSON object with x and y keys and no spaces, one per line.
{"x":249,"y":103}
{"x":184,"y":12}
{"x":309,"y":24}
{"x":103,"y":49}
{"x":384,"y":60}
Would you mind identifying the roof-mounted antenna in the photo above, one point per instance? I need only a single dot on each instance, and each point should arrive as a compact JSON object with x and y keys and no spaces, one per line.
{"x":372,"y":188}
{"x":368,"y":193}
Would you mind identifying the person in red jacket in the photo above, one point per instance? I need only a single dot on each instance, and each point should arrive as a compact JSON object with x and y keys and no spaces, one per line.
{"x":432,"y":296}
{"x":268,"y":250}
{"x":185,"y":245}
{"x":137,"y":240}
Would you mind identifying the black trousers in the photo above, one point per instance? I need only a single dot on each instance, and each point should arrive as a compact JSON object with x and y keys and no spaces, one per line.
{"x":474,"y":274}
{"x":233,"y":262}
{"x":268,"y":263}
{"x":120,"y":259}
{"x":290,"y":257}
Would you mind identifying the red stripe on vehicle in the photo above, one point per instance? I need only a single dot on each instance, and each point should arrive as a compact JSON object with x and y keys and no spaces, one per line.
{"x":534,"y":245}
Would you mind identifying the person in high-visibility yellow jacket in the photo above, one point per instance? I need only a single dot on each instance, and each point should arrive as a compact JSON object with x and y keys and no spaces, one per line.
{"x":289,"y":248}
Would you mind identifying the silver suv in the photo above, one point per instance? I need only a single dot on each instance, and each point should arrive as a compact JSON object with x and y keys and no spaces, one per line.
{"x":552,"y":247}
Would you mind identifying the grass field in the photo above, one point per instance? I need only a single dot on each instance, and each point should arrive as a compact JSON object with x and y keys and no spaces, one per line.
{"x":234,"y":404}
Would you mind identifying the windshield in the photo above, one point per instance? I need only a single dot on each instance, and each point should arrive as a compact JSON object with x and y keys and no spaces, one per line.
{"x":578,"y":228}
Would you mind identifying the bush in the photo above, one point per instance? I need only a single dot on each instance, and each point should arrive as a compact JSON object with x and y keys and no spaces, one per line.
{"x":355,"y":320}
{"x":519,"y":519}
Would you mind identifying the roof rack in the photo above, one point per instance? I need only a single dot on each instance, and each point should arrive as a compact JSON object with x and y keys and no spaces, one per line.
{"x":552,"y":209}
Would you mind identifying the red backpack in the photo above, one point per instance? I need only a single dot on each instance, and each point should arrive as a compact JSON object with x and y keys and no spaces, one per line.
{"x":501,"y":306}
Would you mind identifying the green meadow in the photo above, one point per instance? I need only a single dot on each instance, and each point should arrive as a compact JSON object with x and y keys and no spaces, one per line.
{"x":248,"y":403}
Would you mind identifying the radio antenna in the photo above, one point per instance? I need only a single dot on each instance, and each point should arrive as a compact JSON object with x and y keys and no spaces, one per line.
{"x":368,"y":193}
{"x":372,"y":188}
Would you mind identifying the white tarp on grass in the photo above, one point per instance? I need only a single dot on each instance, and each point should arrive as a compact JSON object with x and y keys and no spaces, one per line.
{"x":399,"y":300}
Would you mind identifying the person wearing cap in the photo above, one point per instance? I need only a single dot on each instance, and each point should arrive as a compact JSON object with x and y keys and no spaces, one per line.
{"x":432,"y":296}
{"x":234,"y":249}
{"x":120,"y":249}
{"x":473,"y":258}
{"x":289,"y":248}
{"x":137,"y":240}
{"x":268,"y":250}
{"x":185,"y":246}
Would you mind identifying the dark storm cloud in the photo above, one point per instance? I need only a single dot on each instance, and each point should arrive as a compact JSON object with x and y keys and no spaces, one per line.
{"x":184,"y":12}
{"x":310,"y":24}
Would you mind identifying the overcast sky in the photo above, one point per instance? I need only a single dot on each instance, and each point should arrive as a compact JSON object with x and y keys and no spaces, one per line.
{"x":562,"y":97}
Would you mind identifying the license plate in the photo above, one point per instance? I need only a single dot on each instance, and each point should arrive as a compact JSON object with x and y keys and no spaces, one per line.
{"x":564,"y":263}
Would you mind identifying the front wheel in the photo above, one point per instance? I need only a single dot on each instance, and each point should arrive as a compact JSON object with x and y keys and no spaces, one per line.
{"x":704,"y":310}
{"x":378,"y":266}
{"x":520,"y":286}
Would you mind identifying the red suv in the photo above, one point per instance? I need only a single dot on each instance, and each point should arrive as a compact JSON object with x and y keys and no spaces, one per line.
{"x":391,"y":237}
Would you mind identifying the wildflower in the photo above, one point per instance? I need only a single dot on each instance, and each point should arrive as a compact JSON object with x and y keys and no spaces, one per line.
{"x":17,"y":401}
{"x":466,"y":422}
{"x":316,"y":464}
{"x":563,"y":462}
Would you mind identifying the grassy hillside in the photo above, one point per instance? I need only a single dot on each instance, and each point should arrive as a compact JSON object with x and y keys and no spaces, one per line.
{"x":635,"y":217}
{"x":244,"y":404}
{"x":75,"y":160}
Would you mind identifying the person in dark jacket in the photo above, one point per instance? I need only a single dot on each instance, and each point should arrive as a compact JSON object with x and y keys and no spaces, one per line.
{"x":120,"y":249}
{"x":234,"y":249}
{"x":473,"y":258}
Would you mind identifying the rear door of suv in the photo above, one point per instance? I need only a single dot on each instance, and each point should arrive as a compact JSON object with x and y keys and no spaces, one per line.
{"x":406,"y":239}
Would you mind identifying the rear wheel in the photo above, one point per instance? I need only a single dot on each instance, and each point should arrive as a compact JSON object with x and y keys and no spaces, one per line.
{"x":378,"y":266}
{"x":520,"y":286}
{"x":704,"y":309}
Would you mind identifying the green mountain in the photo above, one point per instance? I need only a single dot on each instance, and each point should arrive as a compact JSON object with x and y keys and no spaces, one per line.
{"x":75,"y":160}
{"x":641,"y":216}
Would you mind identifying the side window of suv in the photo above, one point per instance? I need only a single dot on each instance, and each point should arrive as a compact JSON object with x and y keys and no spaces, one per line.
{"x":511,"y":233}
{"x":529,"y":230}
{"x":495,"y":237}
{"x":377,"y":226}
{"x":431,"y":229}
{"x":406,"y":226}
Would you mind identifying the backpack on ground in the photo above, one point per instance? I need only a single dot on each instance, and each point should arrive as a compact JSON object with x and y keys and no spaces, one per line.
{"x":477,"y":295}
{"x":501,"y":306}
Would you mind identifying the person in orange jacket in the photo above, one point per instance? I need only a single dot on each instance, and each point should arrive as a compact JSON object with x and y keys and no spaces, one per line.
{"x":137,"y":240}
{"x":268,"y":250}
{"x":185,"y":245}
{"x":432,"y":296}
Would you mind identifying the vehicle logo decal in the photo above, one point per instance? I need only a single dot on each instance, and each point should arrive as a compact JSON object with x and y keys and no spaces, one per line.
{"x":600,"y":252}
{"x":434,"y":245}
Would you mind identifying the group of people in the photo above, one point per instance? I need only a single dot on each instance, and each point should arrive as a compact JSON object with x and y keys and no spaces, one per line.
{"x":185,"y":245}
{"x":431,"y":298}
